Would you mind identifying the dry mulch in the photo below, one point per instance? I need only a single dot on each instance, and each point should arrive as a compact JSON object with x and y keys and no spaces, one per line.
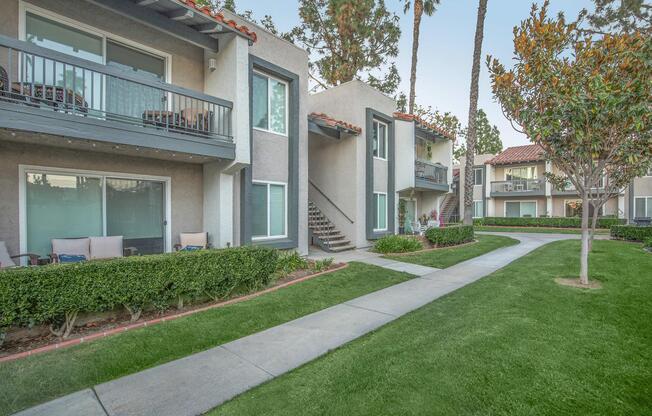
{"x":575,"y":282}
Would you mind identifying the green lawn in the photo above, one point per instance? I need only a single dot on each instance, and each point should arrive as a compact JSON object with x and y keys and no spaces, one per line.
{"x":545,"y":230}
{"x":514,"y":343}
{"x":447,"y":257}
{"x":36,"y":379}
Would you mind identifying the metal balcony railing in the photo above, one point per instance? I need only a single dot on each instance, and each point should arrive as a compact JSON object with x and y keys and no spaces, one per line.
{"x":41,"y":78}
{"x":519,"y":186}
{"x":431,"y":172}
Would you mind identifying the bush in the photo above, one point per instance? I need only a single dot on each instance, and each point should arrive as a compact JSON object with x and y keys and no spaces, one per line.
{"x":397,"y":244}
{"x":323,"y":264}
{"x":631,"y":232}
{"x":291,"y":261}
{"x":556,"y":222}
{"x":648,"y":243}
{"x":450,"y":236}
{"x":55,"y":294}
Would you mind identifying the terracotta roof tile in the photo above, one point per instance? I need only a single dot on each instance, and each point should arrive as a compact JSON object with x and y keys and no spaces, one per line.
{"x":518,"y":154}
{"x":335,"y":123}
{"x":422,"y":123}
{"x":219,"y":17}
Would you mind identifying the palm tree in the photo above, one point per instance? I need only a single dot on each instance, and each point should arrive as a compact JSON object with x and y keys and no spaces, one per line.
{"x":420,"y":7}
{"x":473,"y":110}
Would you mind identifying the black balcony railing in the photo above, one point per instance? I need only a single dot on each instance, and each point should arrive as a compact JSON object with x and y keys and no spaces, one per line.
{"x":41,"y":78}
{"x":516,"y":186}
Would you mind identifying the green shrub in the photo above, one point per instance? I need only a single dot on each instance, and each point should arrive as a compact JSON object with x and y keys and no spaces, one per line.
{"x":323,"y":264}
{"x":291,"y":261}
{"x":55,"y":294}
{"x":450,"y":236}
{"x":648,"y":243}
{"x":631,"y":232}
{"x":397,"y":244}
{"x":556,"y":222}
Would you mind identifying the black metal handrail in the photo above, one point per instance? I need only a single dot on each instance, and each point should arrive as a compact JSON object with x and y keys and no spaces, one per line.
{"x":329,"y":200}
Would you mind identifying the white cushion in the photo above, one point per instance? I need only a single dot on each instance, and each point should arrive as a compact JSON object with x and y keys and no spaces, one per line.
{"x":72,"y":246}
{"x":193,"y":239}
{"x":106,"y":247}
{"x":5,"y":260}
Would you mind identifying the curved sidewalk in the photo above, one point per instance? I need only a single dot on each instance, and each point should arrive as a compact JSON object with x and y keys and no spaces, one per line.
{"x":195,"y":384}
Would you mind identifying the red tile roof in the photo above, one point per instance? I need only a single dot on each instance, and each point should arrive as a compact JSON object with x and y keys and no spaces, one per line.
{"x":335,"y":123}
{"x":219,"y":17}
{"x":422,"y":123}
{"x":518,"y":154}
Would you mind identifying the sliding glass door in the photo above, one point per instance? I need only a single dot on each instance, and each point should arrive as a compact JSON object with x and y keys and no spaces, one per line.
{"x":69,"y":205}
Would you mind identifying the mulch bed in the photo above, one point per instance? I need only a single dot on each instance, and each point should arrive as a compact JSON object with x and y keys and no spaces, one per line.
{"x":23,"y":347}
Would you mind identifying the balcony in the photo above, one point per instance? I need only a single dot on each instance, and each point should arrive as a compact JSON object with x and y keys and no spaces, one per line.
{"x":519,"y":187}
{"x":431,"y":176}
{"x":44,"y":91}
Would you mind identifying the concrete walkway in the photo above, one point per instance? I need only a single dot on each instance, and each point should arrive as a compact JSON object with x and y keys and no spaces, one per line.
{"x":200,"y":382}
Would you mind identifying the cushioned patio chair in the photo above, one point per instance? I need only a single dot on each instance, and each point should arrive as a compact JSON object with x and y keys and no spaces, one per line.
{"x":192,"y":241}
{"x":8,"y":261}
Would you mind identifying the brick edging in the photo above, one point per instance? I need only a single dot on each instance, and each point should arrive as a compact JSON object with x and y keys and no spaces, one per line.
{"x":155,"y":321}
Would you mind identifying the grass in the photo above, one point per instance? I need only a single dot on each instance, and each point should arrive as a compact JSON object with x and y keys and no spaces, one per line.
{"x":545,"y":230}
{"x":447,"y":257}
{"x":512,"y":343}
{"x":27,"y":382}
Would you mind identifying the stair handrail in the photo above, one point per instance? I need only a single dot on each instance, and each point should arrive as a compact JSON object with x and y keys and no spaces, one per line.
{"x":329,"y":200}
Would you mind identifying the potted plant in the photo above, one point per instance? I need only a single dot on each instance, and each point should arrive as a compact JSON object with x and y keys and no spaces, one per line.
{"x":402,"y":210}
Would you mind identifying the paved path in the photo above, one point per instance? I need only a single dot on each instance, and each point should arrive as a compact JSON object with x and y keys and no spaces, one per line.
{"x":200,"y":382}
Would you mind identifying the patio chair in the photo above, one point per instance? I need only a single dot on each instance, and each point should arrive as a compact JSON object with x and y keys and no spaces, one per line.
{"x":192,"y":241}
{"x":8,"y":261}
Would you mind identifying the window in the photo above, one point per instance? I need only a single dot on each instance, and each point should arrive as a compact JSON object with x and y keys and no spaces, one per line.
{"x":520,"y":209}
{"x":269,"y":104}
{"x":573,"y":208}
{"x":269,"y":212}
{"x":478,"y":209}
{"x":524,"y":172}
{"x":380,"y":207}
{"x":477,"y":176}
{"x":643,"y":207}
{"x":68,"y":205}
{"x":380,"y":139}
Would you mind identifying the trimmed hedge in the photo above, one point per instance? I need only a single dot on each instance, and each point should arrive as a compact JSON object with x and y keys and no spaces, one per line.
{"x":555,"y":222}
{"x":648,"y":243}
{"x":397,"y":244}
{"x":55,"y":294}
{"x":631,"y":232}
{"x":450,"y":236}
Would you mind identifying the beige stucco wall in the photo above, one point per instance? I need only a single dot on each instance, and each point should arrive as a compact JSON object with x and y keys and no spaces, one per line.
{"x":186,"y":181}
{"x":643,"y":186}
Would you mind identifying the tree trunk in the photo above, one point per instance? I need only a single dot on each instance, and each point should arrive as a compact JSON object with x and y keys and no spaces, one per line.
{"x":418,"y":13}
{"x":473,"y":112}
{"x":584,"y":255}
{"x":594,"y":223}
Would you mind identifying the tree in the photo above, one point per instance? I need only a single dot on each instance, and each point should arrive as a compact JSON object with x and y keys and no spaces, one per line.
{"x":420,"y":7}
{"x":619,"y":16}
{"x":473,"y":110}
{"x":585,"y":99}
{"x":350,"y":38}
{"x":487,"y":138}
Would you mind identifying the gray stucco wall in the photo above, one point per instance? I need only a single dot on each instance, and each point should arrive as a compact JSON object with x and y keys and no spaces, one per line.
{"x":186,"y":182}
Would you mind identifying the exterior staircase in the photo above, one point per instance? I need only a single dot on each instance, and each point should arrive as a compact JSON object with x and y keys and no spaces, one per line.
{"x":324,"y":233}
{"x":450,"y":208}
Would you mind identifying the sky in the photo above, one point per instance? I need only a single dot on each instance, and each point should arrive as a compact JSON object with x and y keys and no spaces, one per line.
{"x":446,"y":49}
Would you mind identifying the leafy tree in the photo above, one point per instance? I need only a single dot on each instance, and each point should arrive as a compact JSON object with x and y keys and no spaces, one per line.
{"x":420,"y":7}
{"x":349,"y":38}
{"x":471,"y":133}
{"x":446,"y":121}
{"x":618,"y":16}
{"x":487,"y":140}
{"x":585,"y":99}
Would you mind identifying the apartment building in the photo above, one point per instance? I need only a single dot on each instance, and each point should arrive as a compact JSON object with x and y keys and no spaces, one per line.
{"x":513,"y":184}
{"x":147,"y":119}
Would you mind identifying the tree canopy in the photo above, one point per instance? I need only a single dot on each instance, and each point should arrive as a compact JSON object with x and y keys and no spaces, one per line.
{"x":487,"y":140}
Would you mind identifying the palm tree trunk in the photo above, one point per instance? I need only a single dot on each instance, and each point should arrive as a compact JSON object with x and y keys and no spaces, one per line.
{"x":418,"y":13}
{"x":473,"y":112}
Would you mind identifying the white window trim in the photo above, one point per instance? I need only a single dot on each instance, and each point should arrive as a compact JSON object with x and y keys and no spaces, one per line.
{"x":644,"y":198}
{"x":22,"y":196}
{"x":482,"y":175}
{"x":24,"y":7}
{"x":285,"y":223}
{"x":269,"y":105}
{"x":478,"y":200}
{"x":536,"y":173}
{"x":536,"y":208}
{"x":378,"y":212}
{"x":385,"y":139}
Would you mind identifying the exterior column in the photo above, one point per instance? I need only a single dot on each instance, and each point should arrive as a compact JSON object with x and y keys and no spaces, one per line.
{"x":218,"y":205}
{"x":621,"y":206}
{"x":548,"y":190}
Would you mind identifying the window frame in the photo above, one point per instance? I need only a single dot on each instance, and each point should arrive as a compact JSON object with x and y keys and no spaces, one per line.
{"x":536,"y":208}
{"x":474,"y":208}
{"x":385,"y":139}
{"x":269,"y":104}
{"x":647,"y":199}
{"x":23,"y":170}
{"x":377,"y":217}
{"x":534,"y":172}
{"x":481,"y":176}
{"x":285,"y":214}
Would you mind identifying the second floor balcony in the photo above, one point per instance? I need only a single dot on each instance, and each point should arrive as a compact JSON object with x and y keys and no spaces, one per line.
{"x":48,"y":92}
{"x":518,"y":187}
{"x":432,"y":176}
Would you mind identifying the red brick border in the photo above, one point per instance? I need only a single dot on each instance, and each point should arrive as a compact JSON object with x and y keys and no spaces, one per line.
{"x":155,"y":321}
